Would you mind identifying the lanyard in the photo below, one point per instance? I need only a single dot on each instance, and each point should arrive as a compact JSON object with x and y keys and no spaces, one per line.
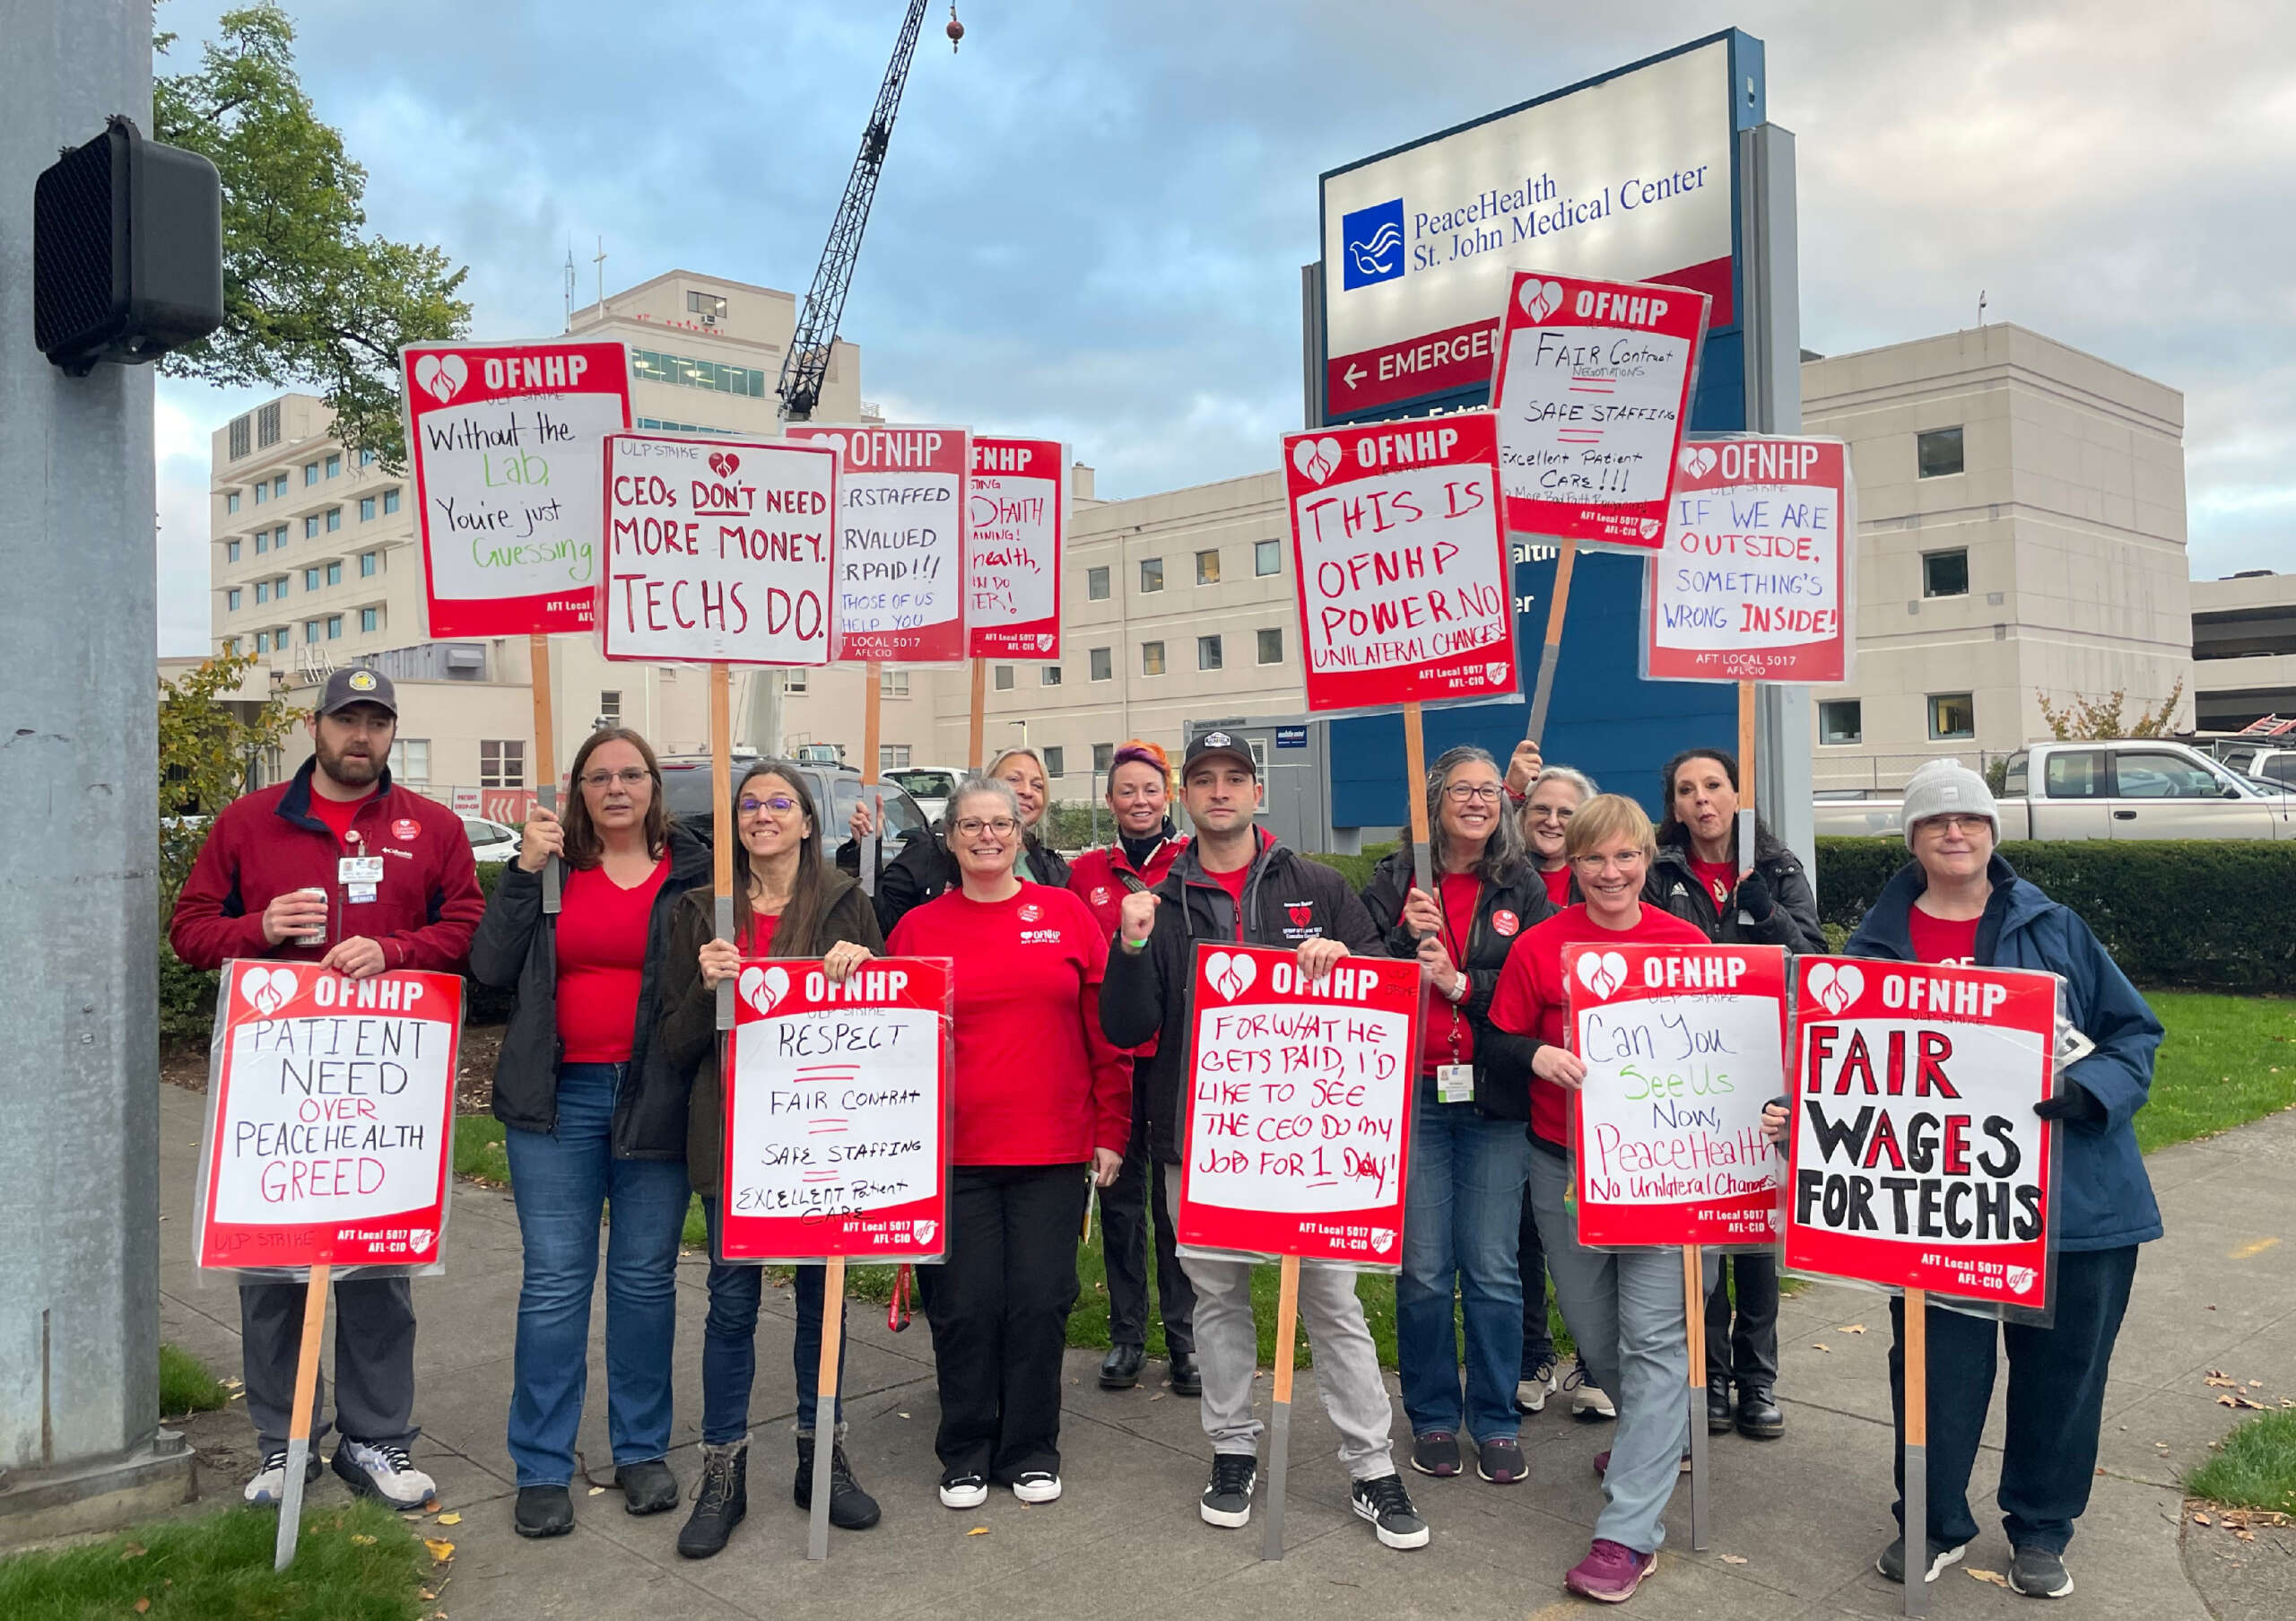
{"x":1454,"y":942}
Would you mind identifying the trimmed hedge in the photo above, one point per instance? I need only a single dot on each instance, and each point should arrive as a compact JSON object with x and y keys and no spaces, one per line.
{"x":2202,"y":913}
{"x":1357,"y":869}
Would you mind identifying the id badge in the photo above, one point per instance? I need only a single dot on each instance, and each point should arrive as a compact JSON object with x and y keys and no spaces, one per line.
{"x":1455,"y":1083}
{"x":359,"y":869}
{"x":358,"y":894}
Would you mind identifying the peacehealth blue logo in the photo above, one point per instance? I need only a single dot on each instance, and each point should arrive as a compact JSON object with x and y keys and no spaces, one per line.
{"x":1372,"y":240}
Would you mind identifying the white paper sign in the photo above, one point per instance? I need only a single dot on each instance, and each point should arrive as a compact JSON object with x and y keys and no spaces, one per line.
{"x":810,"y":1137}
{"x":1674,"y":1096}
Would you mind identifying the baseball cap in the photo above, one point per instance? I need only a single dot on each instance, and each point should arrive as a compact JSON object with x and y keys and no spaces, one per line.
{"x":1204,"y":745}
{"x":358,"y":684}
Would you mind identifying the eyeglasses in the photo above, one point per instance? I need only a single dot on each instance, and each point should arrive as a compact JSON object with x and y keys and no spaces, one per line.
{"x":1475,"y":793}
{"x":1955,"y":824}
{"x":780,"y":804}
{"x":973,"y":827}
{"x":629,"y":776}
{"x":1625,"y":862}
{"x":1553,"y":813}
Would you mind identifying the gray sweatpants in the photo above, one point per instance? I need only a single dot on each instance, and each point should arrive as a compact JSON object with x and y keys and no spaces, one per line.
{"x":1624,"y":1308}
{"x":1347,"y":1364}
{"x":374,"y":1361}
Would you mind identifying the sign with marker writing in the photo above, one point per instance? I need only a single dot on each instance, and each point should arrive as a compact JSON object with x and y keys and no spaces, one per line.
{"x":330,"y":1115}
{"x":1592,"y":390}
{"x":718,"y":550}
{"x":506,"y":441}
{"x":1299,"y":1099}
{"x":1018,"y":518}
{"x":1400,"y":563}
{"x":902,"y":551}
{"x":1917,"y":1159}
{"x":1754,"y":583}
{"x":837,"y":1112}
{"x":1684,"y":1045}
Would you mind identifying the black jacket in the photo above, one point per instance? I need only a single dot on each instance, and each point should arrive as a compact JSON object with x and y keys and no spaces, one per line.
{"x":924,"y":869}
{"x":1287,"y":899}
{"x":1502,"y":1059}
{"x":1793,"y":921}
{"x":517,"y":945}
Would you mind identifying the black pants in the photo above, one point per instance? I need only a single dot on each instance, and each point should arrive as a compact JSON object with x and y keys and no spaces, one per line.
{"x":1747,"y":1349}
{"x":374,"y":1361}
{"x":1125,"y":1207}
{"x":1538,"y":1340}
{"x":999,"y":1310}
{"x":2057,"y":1395}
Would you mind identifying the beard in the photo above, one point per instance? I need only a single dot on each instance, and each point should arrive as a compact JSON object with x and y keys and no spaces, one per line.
{"x":351,"y":770}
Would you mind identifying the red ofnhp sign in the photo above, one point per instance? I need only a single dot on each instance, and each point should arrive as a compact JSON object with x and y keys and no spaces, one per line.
{"x":837,"y":1112}
{"x":1300,"y":1101}
{"x":1400,"y":562}
{"x":1754,"y":583}
{"x":507,"y":442}
{"x":330,"y":1116}
{"x":901,"y":541}
{"x":1684,"y":1045}
{"x":1018,"y":520}
{"x":1917,"y":1161}
{"x":1593,"y":395}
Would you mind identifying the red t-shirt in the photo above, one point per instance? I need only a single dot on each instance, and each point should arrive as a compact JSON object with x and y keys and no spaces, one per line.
{"x":1037,"y":1082}
{"x":1233,"y":883}
{"x":338,"y":813}
{"x":1720,"y":878}
{"x":1557,"y":885}
{"x":1529,"y":998}
{"x":601,"y":930}
{"x":759,"y":942}
{"x":1942,"y":940}
{"x":1448,"y":1037}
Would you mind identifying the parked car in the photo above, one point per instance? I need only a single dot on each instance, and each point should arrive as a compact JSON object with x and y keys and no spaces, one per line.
{"x":491,"y":840}
{"x":2261,"y":759}
{"x":929,"y":785}
{"x":2130,"y":788}
{"x":835,"y":788}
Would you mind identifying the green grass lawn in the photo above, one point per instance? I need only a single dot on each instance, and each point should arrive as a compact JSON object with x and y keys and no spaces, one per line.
{"x":2226,"y":1061}
{"x":2254,"y":1467}
{"x":354,"y":1563}
{"x":185,"y":1385}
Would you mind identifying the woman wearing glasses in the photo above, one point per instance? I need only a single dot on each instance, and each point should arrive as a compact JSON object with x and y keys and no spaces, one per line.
{"x":787,"y":902}
{"x":1042,"y":1103}
{"x":1468,"y":1153}
{"x":924,"y":867}
{"x":597,"y":1115}
{"x":1625,"y":1309}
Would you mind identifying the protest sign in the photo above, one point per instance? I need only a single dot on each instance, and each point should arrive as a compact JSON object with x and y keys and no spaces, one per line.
{"x":1592,"y":390}
{"x":330,"y":1108}
{"x":1755,"y":580}
{"x":1018,"y":520}
{"x":1300,"y":1101}
{"x":1399,"y":562}
{"x":838,"y":1105}
{"x":507,"y":443}
{"x":1684,"y":1045}
{"x":900,"y":541}
{"x":1917,"y":1159}
{"x":718,"y":550}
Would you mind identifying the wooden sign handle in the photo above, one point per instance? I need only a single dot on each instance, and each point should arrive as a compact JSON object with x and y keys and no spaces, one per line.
{"x":825,"y":1390}
{"x":1414,"y":765}
{"x":974,"y":744}
{"x":1746,"y":696}
{"x":298,"y":1423}
{"x":721,"y":824}
{"x":1279,"y":1427}
{"x":1695,"y":1323}
{"x":873,"y":701}
{"x":1543,"y":691}
{"x":1916,"y":1451}
{"x":545,"y":758}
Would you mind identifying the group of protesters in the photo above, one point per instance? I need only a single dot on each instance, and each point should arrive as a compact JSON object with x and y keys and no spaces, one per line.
{"x":1073,"y":985}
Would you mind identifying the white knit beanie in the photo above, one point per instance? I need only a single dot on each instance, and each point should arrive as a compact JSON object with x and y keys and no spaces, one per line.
{"x":1944,"y":786}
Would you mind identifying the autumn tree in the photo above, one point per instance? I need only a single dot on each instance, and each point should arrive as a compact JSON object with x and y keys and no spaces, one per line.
{"x":208,"y":750}
{"x":2097,"y":719}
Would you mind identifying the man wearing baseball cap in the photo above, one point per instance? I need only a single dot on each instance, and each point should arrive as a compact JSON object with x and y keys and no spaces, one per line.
{"x":1234,"y":883}
{"x":337,"y":866}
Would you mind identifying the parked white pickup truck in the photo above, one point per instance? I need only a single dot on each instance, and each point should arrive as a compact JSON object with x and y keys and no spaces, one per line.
{"x":2128,"y":788}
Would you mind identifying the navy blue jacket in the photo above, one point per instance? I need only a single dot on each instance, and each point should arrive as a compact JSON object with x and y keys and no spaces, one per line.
{"x":2103,"y":1198}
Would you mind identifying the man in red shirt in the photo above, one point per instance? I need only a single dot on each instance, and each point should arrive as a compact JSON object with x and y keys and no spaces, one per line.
{"x":337,"y":866}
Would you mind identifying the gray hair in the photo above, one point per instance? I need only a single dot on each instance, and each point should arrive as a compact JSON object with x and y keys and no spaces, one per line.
{"x":1570,"y":775}
{"x":1502,"y":852}
{"x":977,"y":786}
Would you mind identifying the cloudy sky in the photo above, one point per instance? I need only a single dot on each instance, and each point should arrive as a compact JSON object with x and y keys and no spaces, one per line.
{"x":1092,"y":220}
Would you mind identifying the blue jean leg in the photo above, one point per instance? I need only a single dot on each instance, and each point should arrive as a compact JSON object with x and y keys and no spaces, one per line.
{"x":1462,"y":1211}
{"x":729,"y":1344}
{"x":1427,"y":1350}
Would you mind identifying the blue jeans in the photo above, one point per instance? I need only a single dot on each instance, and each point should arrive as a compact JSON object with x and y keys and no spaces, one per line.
{"x":729,"y":1345}
{"x":1462,"y":1214}
{"x":561,"y":1180}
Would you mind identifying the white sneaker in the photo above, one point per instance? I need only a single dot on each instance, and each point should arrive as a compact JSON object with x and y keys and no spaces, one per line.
{"x":964,"y":1491}
{"x":1588,"y":1400}
{"x":1531,"y":1393}
{"x":385,"y":1472}
{"x":268,"y":1490}
{"x":1038,"y":1485}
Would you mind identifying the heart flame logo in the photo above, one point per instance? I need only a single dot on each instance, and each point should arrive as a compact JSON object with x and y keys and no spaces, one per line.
{"x":1835,"y":988}
{"x":763,"y":987}
{"x":268,"y":990}
{"x":1540,"y":299}
{"x":1317,"y":459}
{"x":722,"y":463}
{"x":1231,"y":975}
{"x":442,"y":375}
{"x":1698,"y":461}
{"x":1603,"y":972}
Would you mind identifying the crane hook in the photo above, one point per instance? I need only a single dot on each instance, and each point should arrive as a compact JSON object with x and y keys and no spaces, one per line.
{"x":956,"y":30}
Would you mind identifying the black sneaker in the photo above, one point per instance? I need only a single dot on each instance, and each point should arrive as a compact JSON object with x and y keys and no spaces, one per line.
{"x":850,"y":1509}
{"x":543,"y":1510}
{"x":1891,"y":1562}
{"x":648,"y":1487}
{"x":2037,"y":1573}
{"x":1387,"y":1506}
{"x":721,"y":1503}
{"x":1436,"y":1453}
{"x":1227,"y":1500}
{"x":963,"y":1490}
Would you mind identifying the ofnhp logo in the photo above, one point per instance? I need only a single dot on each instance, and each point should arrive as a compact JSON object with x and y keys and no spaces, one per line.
{"x":1372,"y":238}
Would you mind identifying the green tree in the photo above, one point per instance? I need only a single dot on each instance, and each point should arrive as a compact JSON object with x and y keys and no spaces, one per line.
{"x":207,"y":751}
{"x":309,"y":298}
{"x":2097,"y":719}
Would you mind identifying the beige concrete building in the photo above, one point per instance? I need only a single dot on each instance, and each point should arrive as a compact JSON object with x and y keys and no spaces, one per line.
{"x":2021,"y":531}
{"x":2244,"y":649}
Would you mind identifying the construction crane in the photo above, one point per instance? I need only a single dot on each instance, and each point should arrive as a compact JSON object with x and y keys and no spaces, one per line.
{"x":807,"y":362}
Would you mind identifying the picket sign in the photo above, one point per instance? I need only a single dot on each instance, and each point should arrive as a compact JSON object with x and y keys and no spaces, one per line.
{"x":330,"y":1121}
{"x":1298,"y":1130}
{"x":1016,"y":519}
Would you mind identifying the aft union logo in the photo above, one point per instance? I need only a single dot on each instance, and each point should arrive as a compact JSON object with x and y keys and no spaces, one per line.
{"x":1371,"y":239}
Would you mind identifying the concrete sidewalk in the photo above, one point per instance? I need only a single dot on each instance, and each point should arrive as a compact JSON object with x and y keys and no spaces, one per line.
{"x":1797,"y":1521}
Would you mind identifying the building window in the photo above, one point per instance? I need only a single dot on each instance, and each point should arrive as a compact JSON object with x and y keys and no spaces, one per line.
{"x":707,"y":305}
{"x":262,"y":590}
{"x":230,"y":551}
{"x":411,"y":759}
{"x":231,"y":501}
{"x":1937,"y":452}
{"x":390,"y":500}
{"x":1270,"y":645}
{"x":1047,"y":674}
{"x":1152,"y":574}
{"x":231,"y":600}
{"x":688,"y":373}
{"x":1841,"y":720}
{"x":1152,"y":658}
{"x":279,"y":535}
{"x":310,"y":525}
{"x":502,"y":764}
{"x":1096,"y":585}
{"x":1945,"y":573}
{"x":1103,"y":663}
{"x":267,"y":430}
{"x":892,"y":684}
{"x":310,"y":473}
{"x":262,"y":542}
{"x":609,"y":709}
{"x":366,"y":508}
{"x":1004,"y":677}
{"x":310,"y":631}
{"x":1056,"y":762}
{"x":1951,"y":715}
{"x":1102,"y":755}
{"x":279,"y":488}
{"x":371,"y":619}
{"x":892,"y":756}
{"x":263,"y":492}
{"x":366,"y":459}
{"x":792,"y":681}
{"x":334,"y":519}
{"x":1267,"y":557}
{"x":263,"y":641}
{"x":1207,"y":567}
{"x":334,"y":466}
{"x":1207,"y":653}
{"x":334,"y":627}
{"x":242,"y":437}
{"x":334,"y":573}
{"x":310,"y":579}
{"x":367,"y":565}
